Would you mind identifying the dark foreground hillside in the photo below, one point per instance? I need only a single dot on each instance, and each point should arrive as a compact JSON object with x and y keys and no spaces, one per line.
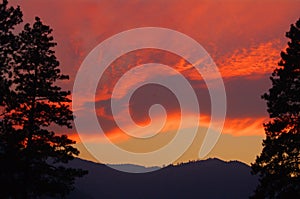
{"x":210,"y":178}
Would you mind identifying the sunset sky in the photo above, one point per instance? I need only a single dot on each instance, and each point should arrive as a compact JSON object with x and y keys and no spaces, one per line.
{"x":244,"y":38}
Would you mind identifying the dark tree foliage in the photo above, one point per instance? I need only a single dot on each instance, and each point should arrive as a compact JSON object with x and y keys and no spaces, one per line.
{"x":9,"y":18}
{"x":32,"y":157}
{"x":279,"y":163}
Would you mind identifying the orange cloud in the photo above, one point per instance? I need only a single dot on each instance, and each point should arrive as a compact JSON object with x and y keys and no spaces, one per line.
{"x":244,"y":126}
{"x":102,"y":113}
{"x":239,"y":126}
{"x":253,"y":62}
{"x":260,"y":59}
{"x":232,"y":126}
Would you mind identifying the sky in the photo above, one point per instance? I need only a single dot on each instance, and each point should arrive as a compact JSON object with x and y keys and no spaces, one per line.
{"x":244,"y":39}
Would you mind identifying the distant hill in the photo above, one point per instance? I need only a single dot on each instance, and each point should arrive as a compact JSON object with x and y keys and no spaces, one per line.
{"x":212,"y":178}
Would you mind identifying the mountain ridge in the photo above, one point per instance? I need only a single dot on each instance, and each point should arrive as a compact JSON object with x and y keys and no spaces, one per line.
{"x":211,"y":178}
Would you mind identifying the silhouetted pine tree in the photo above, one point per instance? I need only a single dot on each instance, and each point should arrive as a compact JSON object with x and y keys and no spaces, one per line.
{"x":9,"y":18}
{"x":9,"y":138}
{"x":32,"y":157}
{"x":279,"y":163}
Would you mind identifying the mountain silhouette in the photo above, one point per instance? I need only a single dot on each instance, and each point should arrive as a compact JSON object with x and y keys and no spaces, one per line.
{"x":211,"y":178}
